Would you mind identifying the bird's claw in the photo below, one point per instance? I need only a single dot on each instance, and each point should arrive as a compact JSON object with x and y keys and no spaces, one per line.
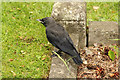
{"x":53,"y":54}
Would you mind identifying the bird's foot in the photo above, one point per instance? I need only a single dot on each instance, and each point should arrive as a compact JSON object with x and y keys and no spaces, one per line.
{"x":53,"y":55}
{"x":58,"y":52}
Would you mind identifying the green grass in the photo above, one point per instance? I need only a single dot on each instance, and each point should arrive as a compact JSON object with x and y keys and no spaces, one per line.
{"x":25,"y":49}
{"x":24,"y":40}
{"x":107,"y":11}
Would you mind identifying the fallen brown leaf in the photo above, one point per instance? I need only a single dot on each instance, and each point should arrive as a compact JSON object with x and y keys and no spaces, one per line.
{"x":43,"y":58}
{"x":113,"y":11}
{"x":10,"y":59}
{"x":111,"y":74}
{"x":20,"y":37}
{"x":14,"y":74}
{"x":13,"y":17}
{"x":23,"y":66}
{"x":25,"y":38}
{"x":95,"y":7}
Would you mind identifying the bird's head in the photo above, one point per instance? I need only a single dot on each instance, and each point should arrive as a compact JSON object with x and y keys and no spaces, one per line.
{"x":46,"y":21}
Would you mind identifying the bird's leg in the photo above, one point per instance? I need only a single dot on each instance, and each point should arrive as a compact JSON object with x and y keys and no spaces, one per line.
{"x":58,"y":52}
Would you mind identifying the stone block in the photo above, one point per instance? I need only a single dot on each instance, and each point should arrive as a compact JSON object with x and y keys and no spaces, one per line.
{"x":103,"y":32}
{"x":69,"y":11}
{"x":72,"y":16}
{"x":76,"y":32}
{"x":59,"y":69}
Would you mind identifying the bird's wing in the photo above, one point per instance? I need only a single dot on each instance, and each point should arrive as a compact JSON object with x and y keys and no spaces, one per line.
{"x":65,"y":33}
{"x":60,"y":39}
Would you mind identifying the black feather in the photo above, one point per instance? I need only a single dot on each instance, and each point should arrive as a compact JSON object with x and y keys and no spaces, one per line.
{"x":59,"y":38}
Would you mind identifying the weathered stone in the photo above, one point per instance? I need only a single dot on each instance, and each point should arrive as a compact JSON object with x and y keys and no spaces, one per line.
{"x":72,"y":16}
{"x":103,"y":32}
{"x":59,"y":69}
{"x":69,"y":11}
{"x":75,"y":31}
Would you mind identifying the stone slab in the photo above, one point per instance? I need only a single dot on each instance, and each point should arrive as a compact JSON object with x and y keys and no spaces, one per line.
{"x":72,"y":16}
{"x":58,"y":67}
{"x":76,"y":32}
{"x":103,"y":32}
{"x":69,"y":11}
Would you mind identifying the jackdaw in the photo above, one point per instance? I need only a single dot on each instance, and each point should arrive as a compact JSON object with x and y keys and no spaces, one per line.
{"x":59,"y":38}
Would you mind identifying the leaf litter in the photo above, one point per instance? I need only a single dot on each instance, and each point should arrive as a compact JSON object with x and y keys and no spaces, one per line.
{"x":97,"y":62}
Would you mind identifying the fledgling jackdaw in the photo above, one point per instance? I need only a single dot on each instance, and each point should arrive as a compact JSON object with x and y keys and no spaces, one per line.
{"x":59,"y":38}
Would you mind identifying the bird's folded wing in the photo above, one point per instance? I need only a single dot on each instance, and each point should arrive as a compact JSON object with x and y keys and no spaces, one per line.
{"x":61,"y":40}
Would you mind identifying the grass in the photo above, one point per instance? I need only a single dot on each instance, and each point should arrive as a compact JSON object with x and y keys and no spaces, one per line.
{"x":107,"y":11}
{"x":25,"y":49}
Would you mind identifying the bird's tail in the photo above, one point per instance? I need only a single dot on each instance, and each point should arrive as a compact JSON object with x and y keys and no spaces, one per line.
{"x":77,"y":59}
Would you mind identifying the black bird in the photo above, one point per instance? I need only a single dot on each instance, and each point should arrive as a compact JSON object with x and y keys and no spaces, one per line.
{"x":59,"y":38}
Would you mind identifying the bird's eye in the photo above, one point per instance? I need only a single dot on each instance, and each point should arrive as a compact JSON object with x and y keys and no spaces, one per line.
{"x":43,"y":21}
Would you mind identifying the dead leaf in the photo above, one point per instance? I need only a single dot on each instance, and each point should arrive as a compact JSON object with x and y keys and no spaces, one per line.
{"x":18,"y":8}
{"x":43,"y":58}
{"x":37,"y":69}
{"x":22,"y":72}
{"x":113,"y":70}
{"x":113,"y":11}
{"x":106,"y":50}
{"x":23,"y":66}
{"x":95,"y":7}
{"x":10,"y":59}
{"x":15,"y":52}
{"x":111,"y":74}
{"x":14,"y":74}
{"x":116,"y":74}
{"x":23,"y":52}
{"x":16,"y":43}
{"x":91,"y":66}
{"x":13,"y":17}
{"x":20,"y":37}
{"x":25,"y":38}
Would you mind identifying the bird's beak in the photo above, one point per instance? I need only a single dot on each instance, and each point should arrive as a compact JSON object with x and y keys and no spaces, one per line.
{"x":39,"y":20}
